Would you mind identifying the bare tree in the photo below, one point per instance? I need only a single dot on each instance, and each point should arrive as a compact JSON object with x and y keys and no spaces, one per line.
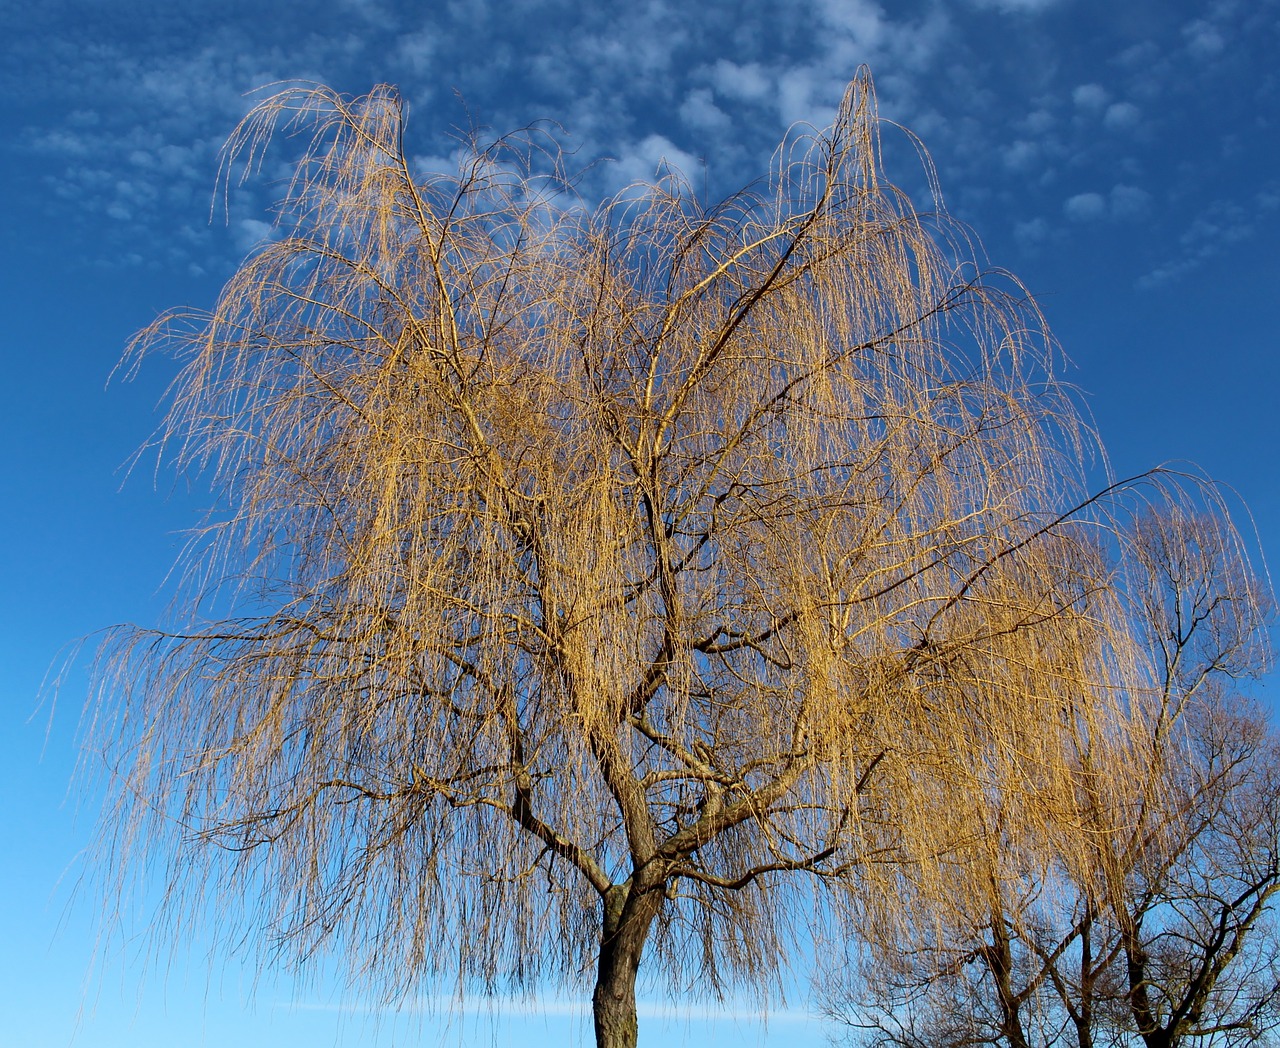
{"x":598,"y":583}
{"x":1191,"y":886}
{"x":1160,"y":930}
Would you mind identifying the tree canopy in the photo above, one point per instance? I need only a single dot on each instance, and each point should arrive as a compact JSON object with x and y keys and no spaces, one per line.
{"x":590,"y":582}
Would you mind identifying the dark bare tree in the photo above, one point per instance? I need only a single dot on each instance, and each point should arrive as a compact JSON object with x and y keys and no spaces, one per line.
{"x":1165,"y":935}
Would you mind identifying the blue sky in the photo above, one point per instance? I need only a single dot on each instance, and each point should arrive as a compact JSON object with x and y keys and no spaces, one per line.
{"x":1120,"y":158}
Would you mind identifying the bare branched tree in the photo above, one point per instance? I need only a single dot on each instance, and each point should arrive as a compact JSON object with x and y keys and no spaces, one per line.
{"x":1165,"y":935}
{"x":598,"y":582}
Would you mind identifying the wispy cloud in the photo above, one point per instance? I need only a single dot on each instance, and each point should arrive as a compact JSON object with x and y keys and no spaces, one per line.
{"x":1123,"y":202}
{"x":700,"y":112}
{"x":1018,"y":6}
{"x":140,"y":144}
{"x":741,"y":83}
{"x":1085,"y":207}
{"x":651,"y":159}
{"x":1121,"y":116}
{"x":560,"y":1006}
{"x":1215,"y":230}
{"x":1204,"y":39}
{"x":1090,"y":97}
{"x":1126,"y":202}
{"x":131,"y":127}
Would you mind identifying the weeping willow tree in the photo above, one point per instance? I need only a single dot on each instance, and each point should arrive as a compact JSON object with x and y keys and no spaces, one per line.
{"x":598,"y":583}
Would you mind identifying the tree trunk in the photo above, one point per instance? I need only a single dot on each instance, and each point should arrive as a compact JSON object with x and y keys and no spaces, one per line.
{"x":628,"y":915}
{"x":1083,"y":1017}
{"x":1152,"y":1033}
{"x":999,"y":958}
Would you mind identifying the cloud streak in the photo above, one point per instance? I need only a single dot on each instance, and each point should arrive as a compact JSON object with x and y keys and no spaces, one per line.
{"x":558,"y":1006}
{"x":128,"y":126}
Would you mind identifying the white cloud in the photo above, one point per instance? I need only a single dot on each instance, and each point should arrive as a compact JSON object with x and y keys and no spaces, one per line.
{"x":1030,"y":235}
{"x":1090,"y":97}
{"x":1122,"y":203}
{"x":1138,"y":56}
{"x":1219,"y":227}
{"x":1021,"y":155}
{"x":1128,"y":201}
{"x":65,"y":143}
{"x":158,"y":117}
{"x":1017,"y":6}
{"x":1223,"y":222}
{"x":248,"y":233}
{"x":635,"y":50}
{"x":1121,"y":115}
{"x":1085,"y":207}
{"x":370,"y":10}
{"x":548,"y":1005}
{"x":416,"y":51}
{"x":700,"y":112}
{"x":861,"y":22}
{"x":742,"y":83}
{"x":727,"y":85}
{"x":424,"y":165}
{"x":652,"y":158}
{"x":1203,"y":39}
{"x":796,"y":96}
{"x":1038,"y":122}
{"x":854,"y":33}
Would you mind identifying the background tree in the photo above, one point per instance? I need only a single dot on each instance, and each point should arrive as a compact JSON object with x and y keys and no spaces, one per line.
{"x":590,"y":583}
{"x":1164,"y":934}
